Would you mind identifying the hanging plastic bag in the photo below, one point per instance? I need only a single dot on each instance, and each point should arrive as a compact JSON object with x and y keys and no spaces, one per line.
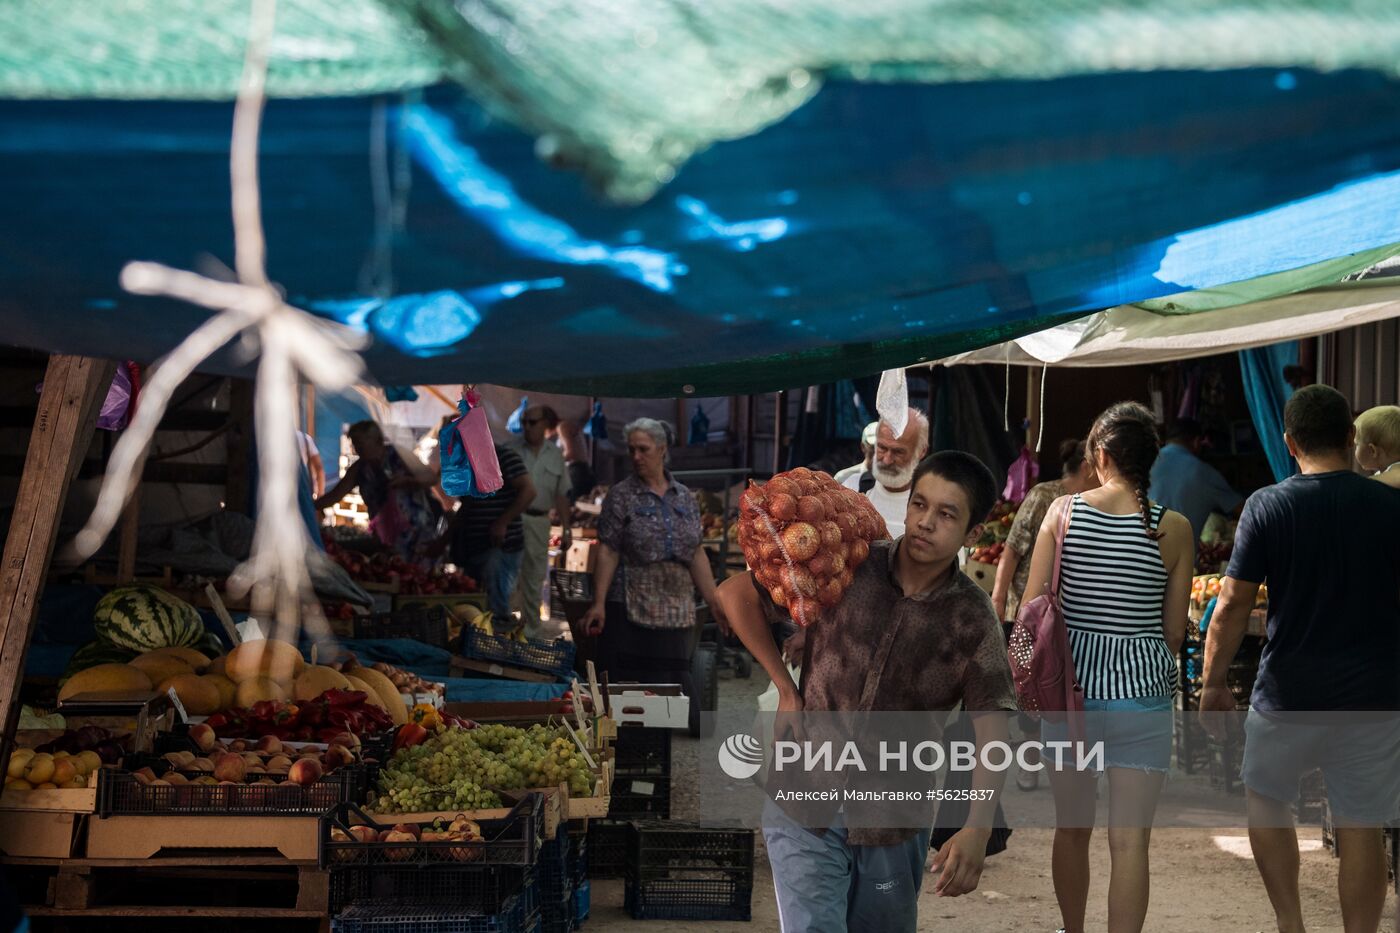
{"x":804,"y":535}
{"x":467,"y":452}
{"x":597,"y":426}
{"x":389,"y":524}
{"x":892,"y":400}
{"x":515,"y":423}
{"x":699,"y":426}
{"x":1021,"y":477}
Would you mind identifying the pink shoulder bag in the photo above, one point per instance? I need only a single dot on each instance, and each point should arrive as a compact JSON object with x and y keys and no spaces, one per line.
{"x":1041,"y":664}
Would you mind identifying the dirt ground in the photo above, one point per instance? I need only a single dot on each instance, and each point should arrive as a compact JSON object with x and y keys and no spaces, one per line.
{"x":1203,"y":881}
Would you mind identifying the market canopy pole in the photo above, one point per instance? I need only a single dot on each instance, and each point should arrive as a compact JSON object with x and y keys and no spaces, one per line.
{"x":74,"y":387}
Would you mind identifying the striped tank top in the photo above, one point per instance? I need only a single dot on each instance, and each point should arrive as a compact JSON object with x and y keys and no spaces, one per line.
{"x":1112,"y":580}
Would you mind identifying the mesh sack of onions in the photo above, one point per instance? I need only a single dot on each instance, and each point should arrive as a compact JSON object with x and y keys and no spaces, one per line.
{"x":803,"y":535}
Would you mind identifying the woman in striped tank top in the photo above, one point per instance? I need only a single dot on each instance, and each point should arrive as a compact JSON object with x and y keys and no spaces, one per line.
{"x":1125,"y":581}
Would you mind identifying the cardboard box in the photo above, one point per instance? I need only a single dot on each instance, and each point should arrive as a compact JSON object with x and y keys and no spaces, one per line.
{"x":984,"y":575}
{"x":581,"y":557}
{"x":294,"y":837}
{"x":666,"y":708}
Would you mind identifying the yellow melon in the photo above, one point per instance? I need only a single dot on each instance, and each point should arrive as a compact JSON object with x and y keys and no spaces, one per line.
{"x":316,"y":680}
{"x":197,"y":695}
{"x":228,"y":690}
{"x":216,"y":666}
{"x":257,"y":689}
{"x":388,"y":693}
{"x":197,"y":660}
{"x":106,"y":678}
{"x":275,"y":660}
{"x":159,"y":667}
{"x":371,"y":695}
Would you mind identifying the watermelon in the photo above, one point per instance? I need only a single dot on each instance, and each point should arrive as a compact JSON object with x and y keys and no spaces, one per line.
{"x":143,"y":618}
{"x":95,"y":653}
{"x":211,"y":645}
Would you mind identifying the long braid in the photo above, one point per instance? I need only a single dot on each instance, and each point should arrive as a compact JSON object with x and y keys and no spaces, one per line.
{"x":1126,"y":433}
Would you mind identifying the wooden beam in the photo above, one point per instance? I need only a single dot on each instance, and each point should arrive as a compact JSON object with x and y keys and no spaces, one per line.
{"x":74,"y":388}
{"x":237,"y":491}
{"x":130,"y":526}
{"x":779,"y":429}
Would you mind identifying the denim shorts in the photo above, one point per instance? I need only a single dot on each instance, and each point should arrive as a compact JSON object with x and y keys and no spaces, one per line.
{"x":1360,"y":763}
{"x":1136,"y":732}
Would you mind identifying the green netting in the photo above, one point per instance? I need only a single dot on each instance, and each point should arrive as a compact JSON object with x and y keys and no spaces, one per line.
{"x":193,"y":49}
{"x":628,"y":90}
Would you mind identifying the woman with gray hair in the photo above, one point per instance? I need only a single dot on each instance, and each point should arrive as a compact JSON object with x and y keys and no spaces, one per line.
{"x":650,"y":564}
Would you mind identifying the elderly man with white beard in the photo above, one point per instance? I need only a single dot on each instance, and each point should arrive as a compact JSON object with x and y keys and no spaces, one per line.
{"x":895,"y":461}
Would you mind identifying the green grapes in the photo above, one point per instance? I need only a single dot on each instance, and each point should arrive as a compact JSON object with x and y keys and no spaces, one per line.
{"x":462,"y":769}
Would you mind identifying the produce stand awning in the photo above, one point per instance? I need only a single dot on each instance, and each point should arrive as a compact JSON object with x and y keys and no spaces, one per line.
{"x":1131,"y":335}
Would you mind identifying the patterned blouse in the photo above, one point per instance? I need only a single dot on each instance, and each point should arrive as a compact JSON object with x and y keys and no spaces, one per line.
{"x":1021,"y":538}
{"x":655,"y":538}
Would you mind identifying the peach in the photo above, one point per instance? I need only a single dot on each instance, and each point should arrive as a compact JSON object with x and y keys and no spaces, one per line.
{"x":338,"y":756}
{"x":270,"y":743}
{"x":305,"y":771}
{"x":230,"y":768}
{"x":202,"y":734}
{"x":202,"y":764}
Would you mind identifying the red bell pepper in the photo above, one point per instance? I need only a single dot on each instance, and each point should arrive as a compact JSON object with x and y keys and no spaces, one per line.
{"x":409,"y":735}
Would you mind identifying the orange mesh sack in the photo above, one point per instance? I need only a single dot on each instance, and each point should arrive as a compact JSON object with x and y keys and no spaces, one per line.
{"x":803,"y":535}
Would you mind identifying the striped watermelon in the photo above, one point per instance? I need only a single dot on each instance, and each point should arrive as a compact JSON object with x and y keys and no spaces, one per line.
{"x":211,"y":645}
{"x":95,"y":653}
{"x":145,"y":617}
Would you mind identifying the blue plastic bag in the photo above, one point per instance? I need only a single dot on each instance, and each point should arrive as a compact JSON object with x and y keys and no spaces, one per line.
{"x":597,"y":426}
{"x":513,"y":423}
{"x":699,"y":426}
{"x":456,"y":466}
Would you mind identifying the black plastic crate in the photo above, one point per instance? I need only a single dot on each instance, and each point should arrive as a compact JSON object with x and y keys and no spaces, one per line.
{"x":513,"y":916}
{"x":717,"y":895}
{"x":549,"y":657}
{"x":642,"y":750}
{"x":430,"y":625}
{"x":689,"y":872}
{"x":571,"y":586}
{"x":120,"y":793}
{"x":655,"y":848}
{"x":514,"y":840}
{"x":465,"y":887}
{"x":554,"y":880}
{"x":607,"y":848}
{"x":640,"y":797}
{"x":578,"y":857}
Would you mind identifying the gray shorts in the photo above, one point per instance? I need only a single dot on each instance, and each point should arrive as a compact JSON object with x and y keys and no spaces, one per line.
{"x":825,"y":885}
{"x":1360,"y":763}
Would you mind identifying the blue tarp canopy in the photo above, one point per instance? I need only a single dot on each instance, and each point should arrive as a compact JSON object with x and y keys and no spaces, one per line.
{"x":877,"y":225}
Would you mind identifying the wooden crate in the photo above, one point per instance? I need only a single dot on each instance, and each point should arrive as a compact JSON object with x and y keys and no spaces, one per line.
{"x":555,"y":812}
{"x":135,"y":837}
{"x":171,"y":888}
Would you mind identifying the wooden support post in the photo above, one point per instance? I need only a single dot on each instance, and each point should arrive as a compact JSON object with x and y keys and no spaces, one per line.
{"x":74,"y":387}
{"x":131,"y":525}
{"x":237,"y":490}
{"x":779,"y":429}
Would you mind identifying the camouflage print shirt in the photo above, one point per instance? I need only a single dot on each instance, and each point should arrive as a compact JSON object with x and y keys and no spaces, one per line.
{"x":881,"y":651}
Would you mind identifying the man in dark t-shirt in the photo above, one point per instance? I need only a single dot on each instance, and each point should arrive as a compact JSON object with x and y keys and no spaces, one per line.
{"x":487,"y":539}
{"x":1327,"y":695}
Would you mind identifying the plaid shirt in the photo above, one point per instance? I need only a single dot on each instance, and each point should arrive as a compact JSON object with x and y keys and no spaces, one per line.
{"x":655,"y":537}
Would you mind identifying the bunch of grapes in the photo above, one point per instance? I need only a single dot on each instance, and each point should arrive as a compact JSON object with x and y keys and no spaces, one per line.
{"x":461,"y":769}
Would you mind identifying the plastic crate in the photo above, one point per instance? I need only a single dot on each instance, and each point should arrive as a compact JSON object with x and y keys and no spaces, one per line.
{"x":689,"y":872}
{"x":571,"y":586}
{"x":583,"y":901}
{"x":640,"y":797}
{"x":513,"y":840}
{"x":469,"y":887}
{"x":554,"y":879}
{"x":607,"y":848}
{"x":430,"y":625}
{"x":578,"y":857}
{"x":549,"y":657}
{"x":120,"y":793}
{"x":640,"y":750}
{"x":513,"y":917}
